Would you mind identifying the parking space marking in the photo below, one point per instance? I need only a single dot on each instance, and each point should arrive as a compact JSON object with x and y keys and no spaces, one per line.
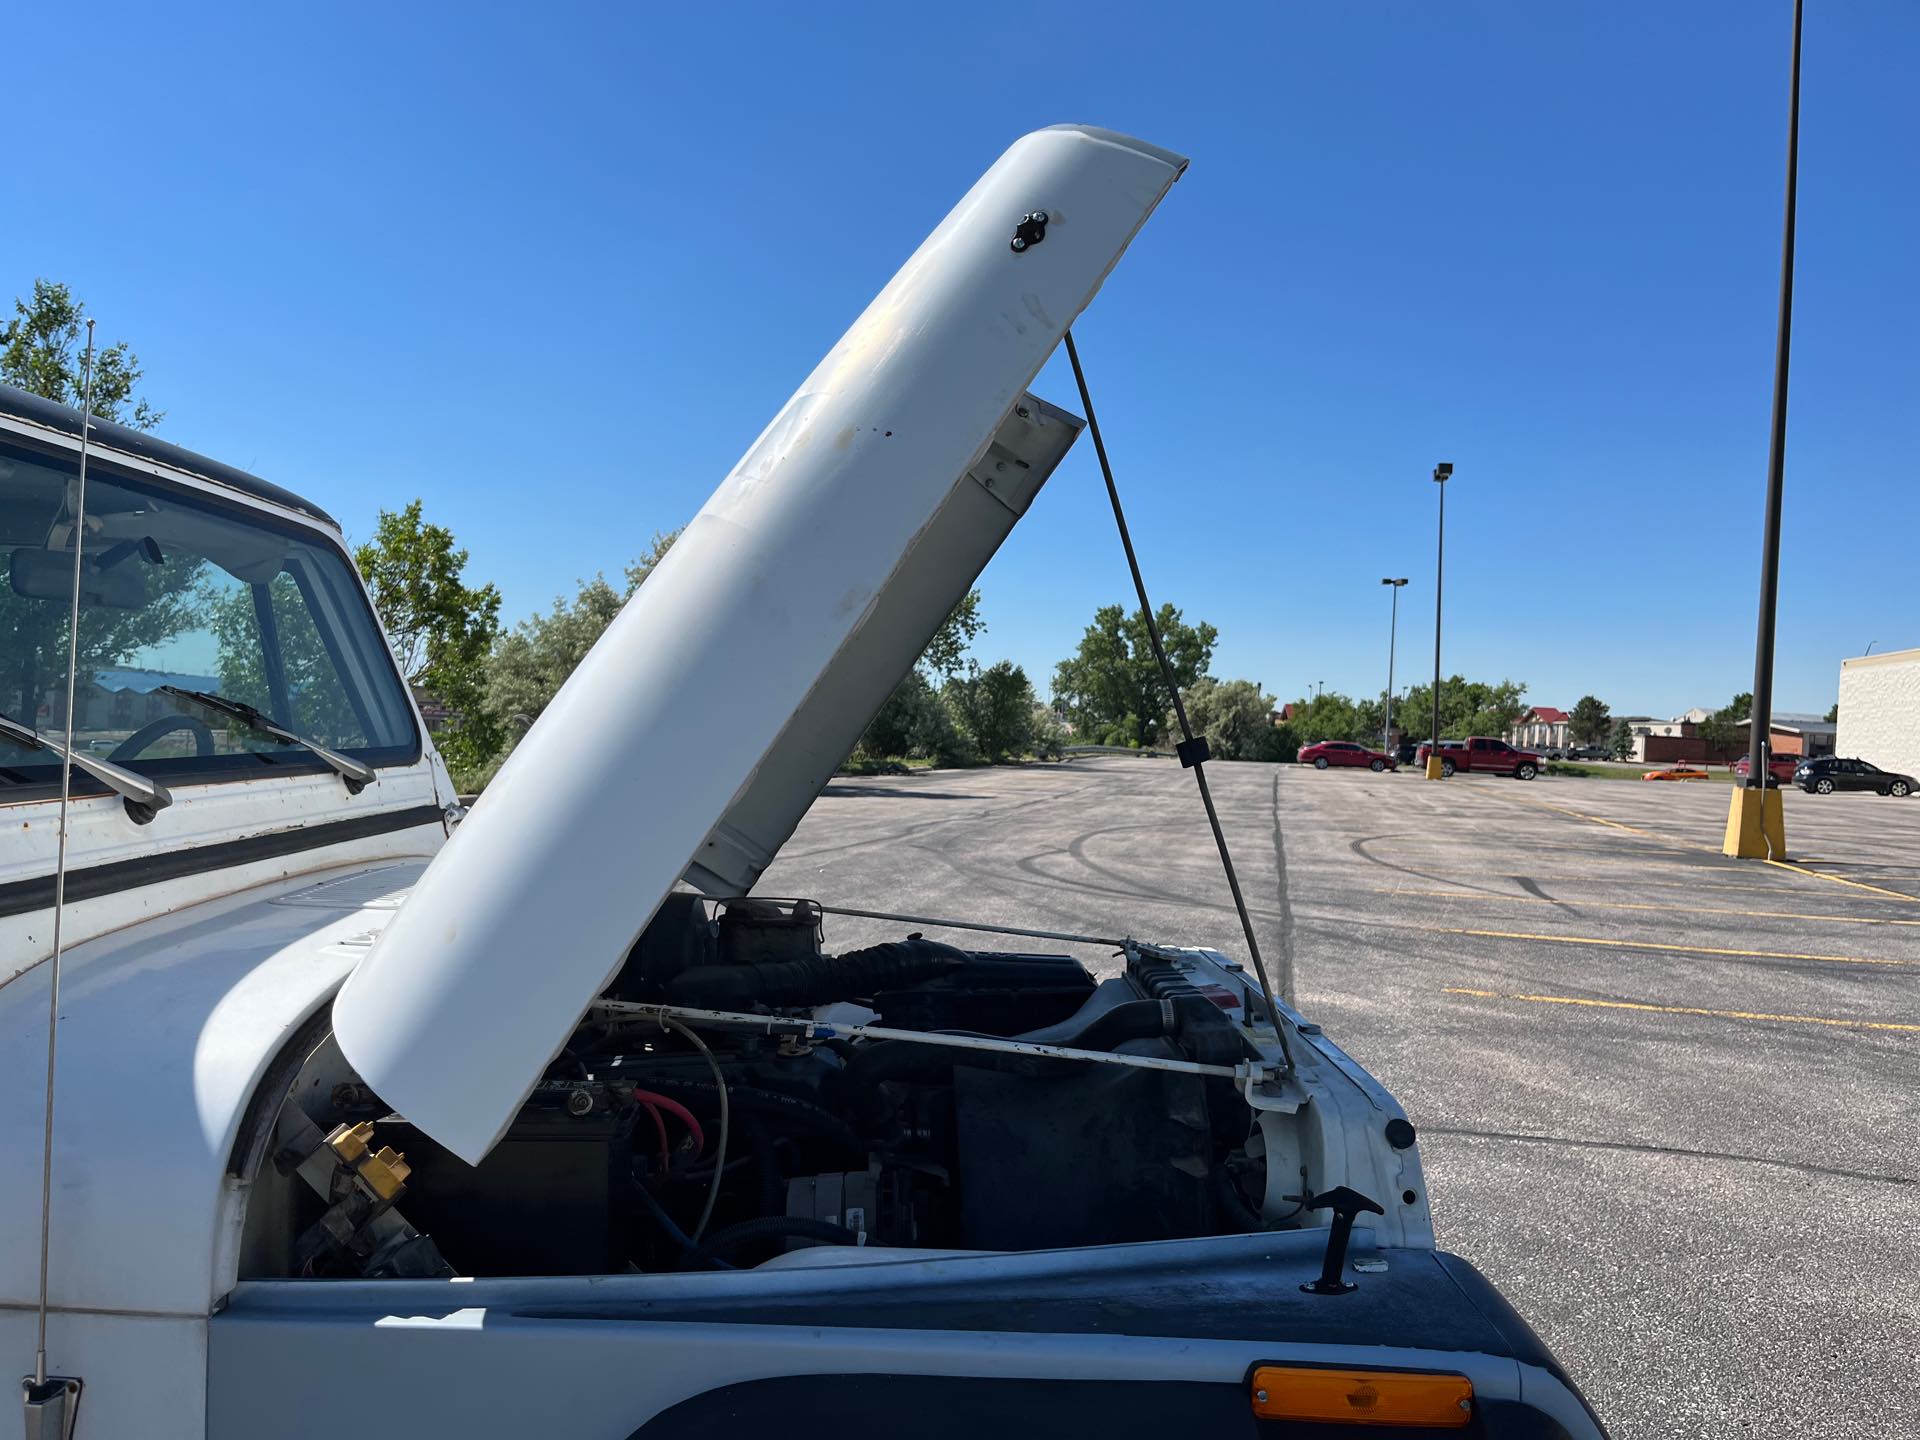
{"x":1781,"y":890}
{"x":1610,"y":824}
{"x":1839,"y":880}
{"x":1665,"y":909}
{"x":1626,"y":873}
{"x":1611,"y":944}
{"x":1707,"y":849}
{"x":1480,"y":845}
{"x":1685,"y":1010}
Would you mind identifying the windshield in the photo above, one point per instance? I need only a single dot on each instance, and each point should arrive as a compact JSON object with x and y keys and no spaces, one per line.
{"x":183,"y":590}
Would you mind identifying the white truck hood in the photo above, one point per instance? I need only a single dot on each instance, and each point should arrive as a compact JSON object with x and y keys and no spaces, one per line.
{"x":693,"y":736}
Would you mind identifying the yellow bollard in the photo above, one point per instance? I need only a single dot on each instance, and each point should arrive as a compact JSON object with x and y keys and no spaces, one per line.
{"x":1433,"y":768}
{"x":1756,"y":825}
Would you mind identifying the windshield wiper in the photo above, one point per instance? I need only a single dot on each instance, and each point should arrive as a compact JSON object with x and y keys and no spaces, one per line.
{"x":356,"y":775}
{"x":143,"y":797}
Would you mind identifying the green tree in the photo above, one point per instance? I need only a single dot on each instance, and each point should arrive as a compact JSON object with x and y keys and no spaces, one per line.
{"x":1622,"y":740}
{"x":946,"y":652}
{"x":994,"y":708}
{"x":442,"y":629}
{"x":1113,"y":683}
{"x":1331,"y":715}
{"x":1467,"y":707}
{"x":42,"y":349}
{"x":1833,"y":713}
{"x":1726,"y":727}
{"x":1590,"y":722}
{"x":915,"y":719}
{"x":1236,"y":716}
{"x":1281,"y":744}
{"x":532,"y":661}
{"x":1370,"y":720}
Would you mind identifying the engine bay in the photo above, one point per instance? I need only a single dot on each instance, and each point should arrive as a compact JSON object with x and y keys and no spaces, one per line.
{"x":653,"y":1145}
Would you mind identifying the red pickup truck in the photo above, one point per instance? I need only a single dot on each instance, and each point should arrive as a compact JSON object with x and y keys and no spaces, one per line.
{"x":1483,"y":754}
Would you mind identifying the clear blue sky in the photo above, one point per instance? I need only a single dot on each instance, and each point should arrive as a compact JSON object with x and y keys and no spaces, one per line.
{"x":552,"y":269}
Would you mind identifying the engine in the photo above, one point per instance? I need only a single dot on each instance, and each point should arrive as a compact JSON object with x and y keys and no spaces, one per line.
{"x":654,"y":1147}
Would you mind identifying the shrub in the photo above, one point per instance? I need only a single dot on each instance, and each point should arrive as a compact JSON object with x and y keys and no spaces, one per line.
{"x":1234,"y":715}
{"x":994,"y":709}
{"x":1049,"y":735}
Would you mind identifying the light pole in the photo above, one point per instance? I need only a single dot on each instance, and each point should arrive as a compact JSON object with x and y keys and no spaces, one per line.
{"x":1393,"y":627}
{"x":1756,"y":828}
{"x":1441,"y":474}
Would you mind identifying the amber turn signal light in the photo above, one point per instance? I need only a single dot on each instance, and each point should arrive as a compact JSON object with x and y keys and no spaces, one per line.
{"x":1362,"y":1397}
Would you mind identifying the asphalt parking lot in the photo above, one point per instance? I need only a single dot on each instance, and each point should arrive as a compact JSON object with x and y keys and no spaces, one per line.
{"x":1665,"y":1099}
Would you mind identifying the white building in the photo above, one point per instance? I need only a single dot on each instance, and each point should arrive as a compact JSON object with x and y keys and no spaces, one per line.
{"x":1542,"y":728}
{"x":1880,"y":710}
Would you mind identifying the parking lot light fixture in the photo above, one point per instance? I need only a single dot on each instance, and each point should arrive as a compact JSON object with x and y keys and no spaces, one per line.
{"x":1441,"y":474}
{"x":1393,"y":627}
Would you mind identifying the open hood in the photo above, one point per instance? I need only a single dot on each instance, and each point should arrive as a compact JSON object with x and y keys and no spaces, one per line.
{"x":694,"y":735}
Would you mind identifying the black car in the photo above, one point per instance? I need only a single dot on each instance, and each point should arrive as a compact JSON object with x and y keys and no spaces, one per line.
{"x":1827,"y":773}
{"x":1403,"y":752}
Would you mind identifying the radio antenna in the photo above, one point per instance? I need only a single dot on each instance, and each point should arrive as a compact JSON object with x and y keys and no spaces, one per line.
{"x":57,"y":1400}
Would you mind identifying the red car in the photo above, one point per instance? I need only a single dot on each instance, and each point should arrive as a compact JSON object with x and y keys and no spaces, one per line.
{"x":1780,"y":767}
{"x":1345,"y":752}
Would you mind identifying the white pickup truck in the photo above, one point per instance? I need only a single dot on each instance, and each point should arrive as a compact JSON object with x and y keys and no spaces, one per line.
{"x":365,"y":1117}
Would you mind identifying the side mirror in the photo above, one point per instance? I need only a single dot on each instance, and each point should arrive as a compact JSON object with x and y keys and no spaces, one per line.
{"x":48,"y":575}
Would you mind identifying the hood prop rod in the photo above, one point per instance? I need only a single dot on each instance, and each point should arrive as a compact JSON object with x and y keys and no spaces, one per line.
{"x":1193,"y":752}
{"x":791,"y":1027}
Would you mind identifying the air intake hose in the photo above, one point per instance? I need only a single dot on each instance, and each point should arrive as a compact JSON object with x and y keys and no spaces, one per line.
{"x":819,"y":980}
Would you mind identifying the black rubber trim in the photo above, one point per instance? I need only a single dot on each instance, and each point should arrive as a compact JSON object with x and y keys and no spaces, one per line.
{"x":21,"y":405}
{"x":965,"y":1407}
{"x":250,"y":1141}
{"x":93,"y":881}
{"x":955,"y":1407}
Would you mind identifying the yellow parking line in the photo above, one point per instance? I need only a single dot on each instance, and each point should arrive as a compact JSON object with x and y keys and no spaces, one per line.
{"x":1856,"y":884}
{"x":1685,"y":1010}
{"x":1708,"y":880}
{"x":1480,"y":846}
{"x":1648,"y":945}
{"x":1779,"y":890}
{"x":1709,"y":849}
{"x":1669,"y":909}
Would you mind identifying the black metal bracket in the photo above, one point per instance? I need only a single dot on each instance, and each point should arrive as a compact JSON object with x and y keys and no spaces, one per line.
{"x":1345,"y":1204}
{"x":1193,"y":752}
{"x":1031,"y":230}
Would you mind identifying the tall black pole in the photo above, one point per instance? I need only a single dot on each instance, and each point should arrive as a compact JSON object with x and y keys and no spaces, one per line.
{"x":1440,"y":474}
{"x":1393,"y":626}
{"x":1760,"y":727}
{"x":1393,"y":631}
